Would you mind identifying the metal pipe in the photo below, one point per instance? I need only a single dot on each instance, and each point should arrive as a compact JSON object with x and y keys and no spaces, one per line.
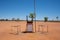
{"x":35,"y":13}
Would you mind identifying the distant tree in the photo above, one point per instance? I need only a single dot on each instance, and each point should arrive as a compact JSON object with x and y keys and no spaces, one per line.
{"x":13,"y":19}
{"x":6,"y":19}
{"x":2,"y":19}
{"x":18,"y":19}
{"x":32,"y":16}
{"x":45,"y":19}
{"x":57,"y":18}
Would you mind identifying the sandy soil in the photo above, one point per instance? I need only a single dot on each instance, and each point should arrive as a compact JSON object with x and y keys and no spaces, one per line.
{"x":8,"y":31}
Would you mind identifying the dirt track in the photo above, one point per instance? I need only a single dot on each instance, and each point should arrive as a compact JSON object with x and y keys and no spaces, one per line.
{"x":5,"y":31}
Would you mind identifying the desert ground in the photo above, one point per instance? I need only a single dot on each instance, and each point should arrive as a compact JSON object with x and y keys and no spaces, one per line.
{"x":8,"y":31}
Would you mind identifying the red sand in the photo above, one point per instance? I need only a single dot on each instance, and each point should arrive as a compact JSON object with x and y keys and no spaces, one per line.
{"x":5,"y":31}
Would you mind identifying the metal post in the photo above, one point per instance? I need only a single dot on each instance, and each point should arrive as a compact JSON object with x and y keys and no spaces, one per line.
{"x":17,"y":29}
{"x":42,"y":28}
{"x":35,"y":13}
{"x":27,"y":21}
{"x":47,"y":29}
{"x":39,"y":28}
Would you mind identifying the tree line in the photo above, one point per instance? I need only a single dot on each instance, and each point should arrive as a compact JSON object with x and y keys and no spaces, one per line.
{"x":32,"y":16}
{"x":13,"y":19}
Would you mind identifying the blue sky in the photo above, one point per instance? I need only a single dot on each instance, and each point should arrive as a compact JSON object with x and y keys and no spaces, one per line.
{"x":20,"y":8}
